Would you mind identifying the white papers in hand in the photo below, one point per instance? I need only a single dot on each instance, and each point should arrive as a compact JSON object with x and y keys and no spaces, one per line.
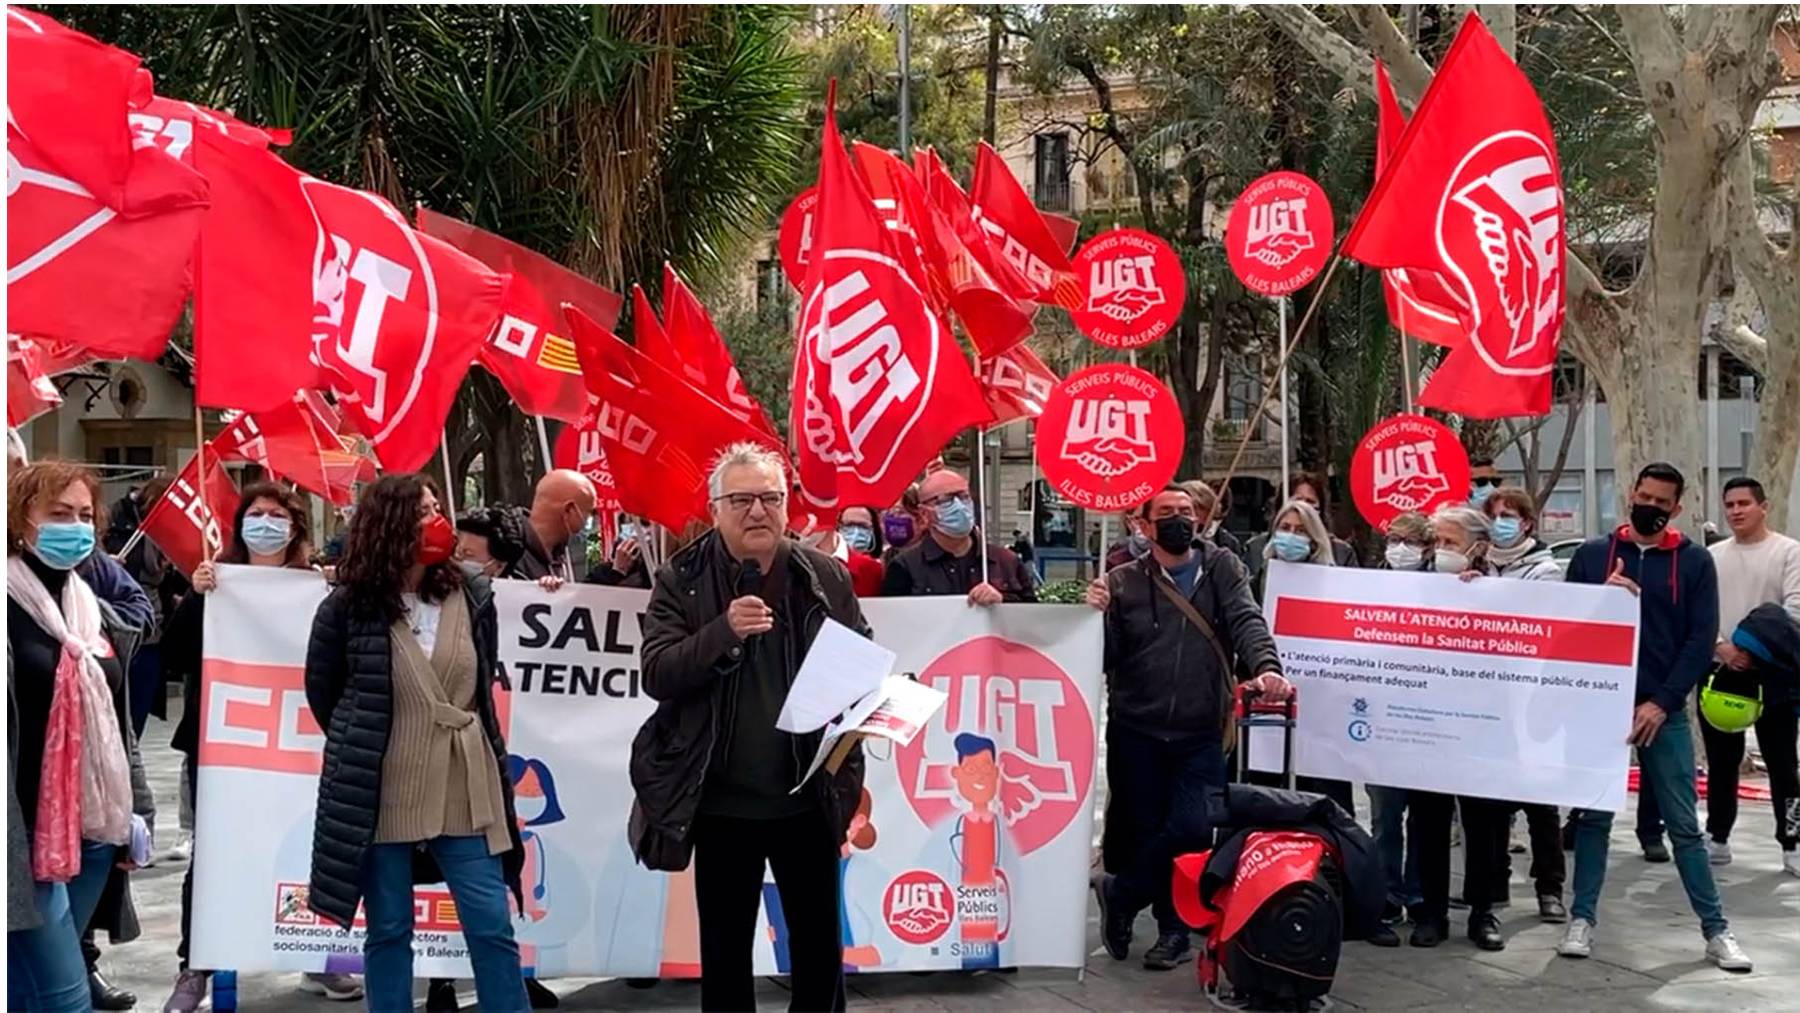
{"x":839,"y":669}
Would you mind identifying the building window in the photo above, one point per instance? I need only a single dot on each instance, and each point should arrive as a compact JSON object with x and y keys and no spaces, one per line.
{"x":1050,"y":171}
{"x":130,"y":457}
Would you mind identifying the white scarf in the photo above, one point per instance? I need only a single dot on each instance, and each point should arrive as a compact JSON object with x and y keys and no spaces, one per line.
{"x":105,"y":770}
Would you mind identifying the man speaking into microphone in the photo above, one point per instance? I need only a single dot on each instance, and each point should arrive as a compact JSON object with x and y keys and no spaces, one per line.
{"x":729,"y":621}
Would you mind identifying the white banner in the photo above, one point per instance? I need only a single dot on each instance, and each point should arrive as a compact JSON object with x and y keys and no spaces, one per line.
{"x":975,"y":852}
{"x":1496,"y":688}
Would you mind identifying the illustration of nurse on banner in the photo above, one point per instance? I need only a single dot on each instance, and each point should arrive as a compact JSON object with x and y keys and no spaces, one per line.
{"x":555,"y":907}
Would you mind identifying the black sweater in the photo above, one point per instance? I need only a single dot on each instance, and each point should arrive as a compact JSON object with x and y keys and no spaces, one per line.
{"x":35,"y":655}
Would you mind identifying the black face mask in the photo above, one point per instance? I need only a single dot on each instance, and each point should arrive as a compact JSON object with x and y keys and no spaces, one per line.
{"x":1175,"y":535}
{"x":1649,"y":519}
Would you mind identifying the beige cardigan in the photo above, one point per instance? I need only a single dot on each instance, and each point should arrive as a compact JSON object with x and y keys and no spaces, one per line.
{"x":439,"y":777}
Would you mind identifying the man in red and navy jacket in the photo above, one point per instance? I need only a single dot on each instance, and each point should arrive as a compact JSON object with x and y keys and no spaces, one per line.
{"x":1677,"y":590}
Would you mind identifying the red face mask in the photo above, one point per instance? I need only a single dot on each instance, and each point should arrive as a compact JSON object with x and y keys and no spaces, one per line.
{"x":436,"y":540}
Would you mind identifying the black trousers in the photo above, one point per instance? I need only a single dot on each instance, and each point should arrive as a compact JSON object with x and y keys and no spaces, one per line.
{"x":1157,"y":810}
{"x":1428,"y":816}
{"x":1487,"y":835}
{"x":728,"y":879}
{"x":1775,"y":733}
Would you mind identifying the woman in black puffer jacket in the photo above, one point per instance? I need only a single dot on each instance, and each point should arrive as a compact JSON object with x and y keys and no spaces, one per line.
{"x":400,"y":673}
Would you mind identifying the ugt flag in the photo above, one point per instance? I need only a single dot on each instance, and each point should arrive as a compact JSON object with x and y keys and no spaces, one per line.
{"x":1474,"y":194}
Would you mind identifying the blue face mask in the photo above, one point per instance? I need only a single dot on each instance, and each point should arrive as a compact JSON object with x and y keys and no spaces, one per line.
{"x":63,"y":544}
{"x":858,"y":537}
{"x":1508,"y":531}
{"x":1292,"y":546}
{"x":266,"y":535}
{"x":955,"y":517}
{"x":1479,"y":494}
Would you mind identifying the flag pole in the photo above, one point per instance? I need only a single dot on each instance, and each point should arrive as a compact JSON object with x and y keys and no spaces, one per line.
{"x":449,"y":479}
{"x":1287,"y":350}
{"x":1406,"y":373}
{"x":543,"y":442}
{"x":206,"y":552}
{"x":986,"y":504}
{"x":1281,"y":314}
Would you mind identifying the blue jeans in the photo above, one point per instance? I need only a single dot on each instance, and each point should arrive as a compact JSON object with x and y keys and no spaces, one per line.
{"x":1399,"y":863}
{"x":1666,"y":768}
{"x":45,"y":969}
{"x":478,"y":887}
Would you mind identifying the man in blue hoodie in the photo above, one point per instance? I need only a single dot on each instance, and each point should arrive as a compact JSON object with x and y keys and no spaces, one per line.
{"x":1678,"y":608}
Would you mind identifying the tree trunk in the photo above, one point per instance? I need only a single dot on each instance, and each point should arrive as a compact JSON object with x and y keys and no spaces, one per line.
{"x":990,"y":102}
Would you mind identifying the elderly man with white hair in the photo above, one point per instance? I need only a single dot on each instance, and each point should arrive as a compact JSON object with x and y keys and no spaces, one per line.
{"x":729,"y":621}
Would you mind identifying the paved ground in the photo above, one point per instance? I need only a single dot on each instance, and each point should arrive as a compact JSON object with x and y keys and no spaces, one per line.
{"x":1648,"y":954}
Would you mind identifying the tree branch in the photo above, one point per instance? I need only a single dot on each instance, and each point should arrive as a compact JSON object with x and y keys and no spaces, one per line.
{"x":1334,"y":52}
{"x":1409,"y":71}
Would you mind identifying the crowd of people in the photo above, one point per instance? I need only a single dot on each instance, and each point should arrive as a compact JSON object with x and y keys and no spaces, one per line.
{"x":402,"y":663}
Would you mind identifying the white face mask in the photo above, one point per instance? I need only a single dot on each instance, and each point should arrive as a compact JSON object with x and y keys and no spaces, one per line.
{"x":530,"y":807}
{"x":1450,"y":561}
{"x":1405,"y":556}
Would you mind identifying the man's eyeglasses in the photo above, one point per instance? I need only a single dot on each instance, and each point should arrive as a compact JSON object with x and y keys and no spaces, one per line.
{"x":949,"y":497}
{"x":743,"y":501}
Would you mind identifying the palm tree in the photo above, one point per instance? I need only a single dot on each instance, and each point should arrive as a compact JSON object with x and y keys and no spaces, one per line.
{"x":609,"y":137}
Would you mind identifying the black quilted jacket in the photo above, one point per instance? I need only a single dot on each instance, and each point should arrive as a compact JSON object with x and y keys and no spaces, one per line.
{"x":349,"y":686}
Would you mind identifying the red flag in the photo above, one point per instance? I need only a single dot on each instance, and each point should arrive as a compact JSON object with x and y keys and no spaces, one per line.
{"x":170,"y":123}
{"x":67,"y":95}
{"x":1419,"y":303}
{"x":99,"y":231}
{"x":879,"y":383}
{"x":659,"y":434}
{"x":253,"y":301}
{"x":1479,"y":150}
{"x":528,"y":351}
{"x":294,"y":442}
{"x":304,"y":283}
{"x":1016,"y":383}
{"x":698,"y":343}
{"x":29,"y":392}
{"x":994,"y":320}
{"x":1018,"y":231}
{"x":578,"y":448}
{"x":183,"y":523}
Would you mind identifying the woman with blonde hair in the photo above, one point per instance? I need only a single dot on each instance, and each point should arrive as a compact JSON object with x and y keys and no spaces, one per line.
{"x":1300,"y":536}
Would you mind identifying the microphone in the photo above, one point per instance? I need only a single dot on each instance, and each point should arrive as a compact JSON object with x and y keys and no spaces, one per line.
{"x":750,"y":578}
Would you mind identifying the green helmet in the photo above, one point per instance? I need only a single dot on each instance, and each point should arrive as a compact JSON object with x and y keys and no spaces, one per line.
{"x":1727,"y":711}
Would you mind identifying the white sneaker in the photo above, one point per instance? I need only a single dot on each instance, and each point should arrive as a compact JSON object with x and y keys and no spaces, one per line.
{"x":1718,"y":852}
{"x":1723,"y":950}
{"x":1578,"y":939}
{"x":184,"y":848}
{"x":1790,"y":862}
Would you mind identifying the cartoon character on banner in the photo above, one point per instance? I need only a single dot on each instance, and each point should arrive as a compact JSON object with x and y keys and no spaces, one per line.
{"x":859,"y":876}
{"x":555,"y":891}
{"x":973,"y":848}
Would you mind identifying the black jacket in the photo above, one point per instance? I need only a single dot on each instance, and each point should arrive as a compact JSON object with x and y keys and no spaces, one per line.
{"x":1242,"y":809}
{"x":689,"y":657}
{"x":927,"y":568}
{"x":1772,"y":637}
{"x":349,"y":686}
{"x":1162,"y":675}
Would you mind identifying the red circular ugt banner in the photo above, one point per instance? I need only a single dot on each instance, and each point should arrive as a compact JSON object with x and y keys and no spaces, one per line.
{"x":1110,"y":437}
{"x":1407,"y":462}
{"x":1135,"y":288}
{"x":1279,"y":234}
{"x":795,"y":240}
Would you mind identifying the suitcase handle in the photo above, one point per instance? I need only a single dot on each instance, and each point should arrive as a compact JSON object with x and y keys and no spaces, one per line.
{"x":1251,"y":711}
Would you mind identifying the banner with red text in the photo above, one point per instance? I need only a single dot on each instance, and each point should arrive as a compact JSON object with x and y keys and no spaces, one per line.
{"x":974,"y":854}
{"x":1492,"y":687}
